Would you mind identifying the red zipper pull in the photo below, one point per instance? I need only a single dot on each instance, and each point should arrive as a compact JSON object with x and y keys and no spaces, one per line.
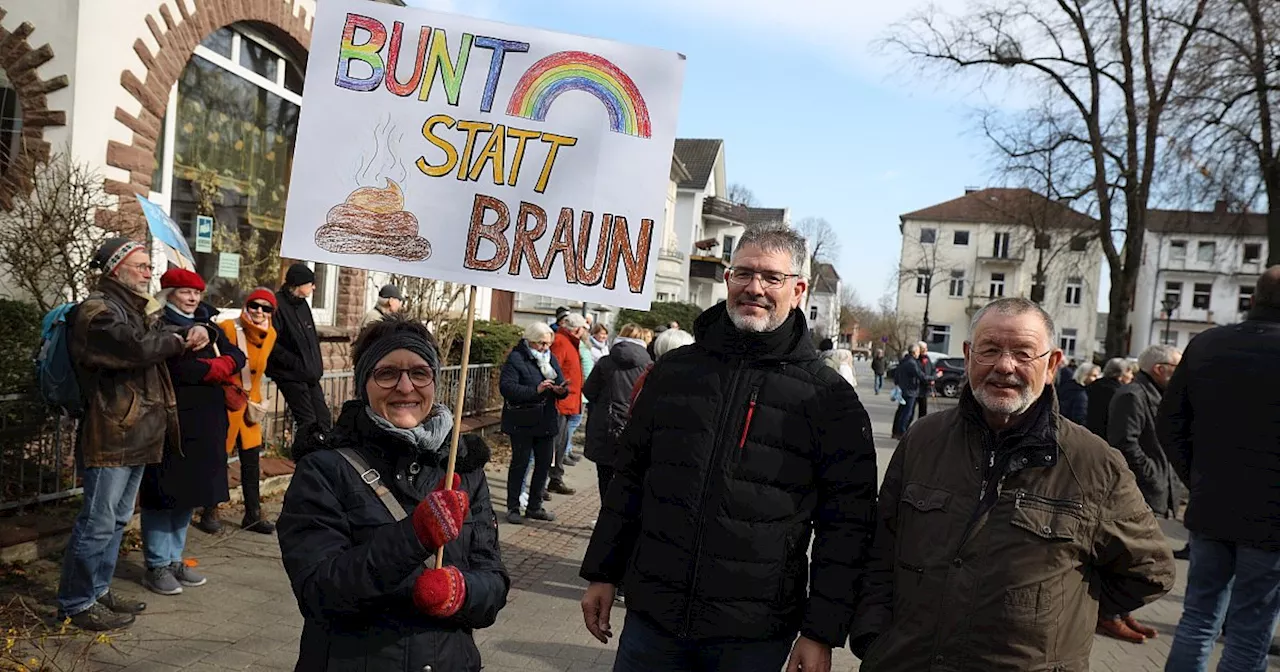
{"x":751,"y":411}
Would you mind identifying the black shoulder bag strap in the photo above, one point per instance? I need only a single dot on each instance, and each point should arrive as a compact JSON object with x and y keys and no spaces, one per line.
{"x":373,"y":479}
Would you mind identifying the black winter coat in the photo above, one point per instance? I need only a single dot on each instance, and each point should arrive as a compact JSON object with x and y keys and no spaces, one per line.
{"x":1220,"y":428}
{"x":1100,"y":392}
{"x":909,"y":376}
{"x":352,"y":567}
{"x":740,"y":447}
{"x":608,"y":388}
{"x":519,"y":386}
{"x":1131,"y":429}
{"x":1073,"y":401}
{"x":296,"y":355}
{"x":195,"y":476}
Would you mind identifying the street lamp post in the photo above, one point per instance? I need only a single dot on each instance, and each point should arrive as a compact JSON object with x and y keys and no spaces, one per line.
{"x":1169,"y":304}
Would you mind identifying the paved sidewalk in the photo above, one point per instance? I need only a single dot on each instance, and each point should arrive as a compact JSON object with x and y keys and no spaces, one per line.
{"x":246,"y":617}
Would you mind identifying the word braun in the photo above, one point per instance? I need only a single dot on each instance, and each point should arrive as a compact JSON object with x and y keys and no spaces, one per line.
{"x":614,"y":245}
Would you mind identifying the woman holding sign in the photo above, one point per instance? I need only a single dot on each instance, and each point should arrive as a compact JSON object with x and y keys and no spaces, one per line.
{"x":367,"y":510}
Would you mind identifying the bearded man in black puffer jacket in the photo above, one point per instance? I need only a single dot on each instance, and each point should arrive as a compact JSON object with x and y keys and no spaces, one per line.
{"x":739,"y":448}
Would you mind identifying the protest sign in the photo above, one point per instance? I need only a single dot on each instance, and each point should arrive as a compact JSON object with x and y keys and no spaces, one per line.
{"x":442,"y":146}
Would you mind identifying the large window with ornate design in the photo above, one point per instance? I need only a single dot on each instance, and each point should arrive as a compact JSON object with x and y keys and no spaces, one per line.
{"x":10,"y":123}
{"x":226,"y":154}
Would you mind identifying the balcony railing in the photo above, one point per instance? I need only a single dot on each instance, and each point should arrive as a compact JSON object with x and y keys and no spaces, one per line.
{"x":671,"y":253}
{"x":719,"y":207}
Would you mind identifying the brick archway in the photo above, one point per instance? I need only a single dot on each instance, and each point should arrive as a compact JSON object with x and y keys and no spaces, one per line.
{"x":19,"y":62}
{"x":177,"y":41}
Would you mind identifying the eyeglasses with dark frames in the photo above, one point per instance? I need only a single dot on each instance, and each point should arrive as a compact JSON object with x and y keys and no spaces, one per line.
{"x":388,"y":377}
{"x":263,"y":307}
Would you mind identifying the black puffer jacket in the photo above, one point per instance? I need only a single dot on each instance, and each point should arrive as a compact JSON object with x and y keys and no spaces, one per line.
{"x":1220,"y":428}
{"x":353,"y":567}
{"x":739,"y":447}
{"x":608,"y":388}
{"x":296,"y":355}
{"x":519,"y":386}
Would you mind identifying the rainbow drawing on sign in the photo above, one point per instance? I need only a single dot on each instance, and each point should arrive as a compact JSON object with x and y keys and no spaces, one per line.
{"x":580,"y":71}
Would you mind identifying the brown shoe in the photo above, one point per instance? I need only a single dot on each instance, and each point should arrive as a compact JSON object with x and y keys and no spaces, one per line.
{"x":1144,"y":630}
{"x":559,"y":488}
{"x":1117,"y":629}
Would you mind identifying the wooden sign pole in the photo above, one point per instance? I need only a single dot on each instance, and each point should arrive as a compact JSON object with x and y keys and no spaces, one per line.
{"x":457,"y":408}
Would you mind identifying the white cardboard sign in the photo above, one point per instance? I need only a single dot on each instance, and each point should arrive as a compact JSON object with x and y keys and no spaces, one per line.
{"x":442,"y":146}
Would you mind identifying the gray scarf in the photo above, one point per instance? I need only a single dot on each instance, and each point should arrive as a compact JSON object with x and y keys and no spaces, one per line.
{"x":427,"y":438}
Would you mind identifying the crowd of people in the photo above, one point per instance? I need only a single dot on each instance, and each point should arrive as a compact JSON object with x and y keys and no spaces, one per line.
{"x":736,"y":468}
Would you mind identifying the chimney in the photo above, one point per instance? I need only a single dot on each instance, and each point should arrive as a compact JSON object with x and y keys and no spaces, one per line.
{"x":970,"y":190}
{"x":1220,"y":207}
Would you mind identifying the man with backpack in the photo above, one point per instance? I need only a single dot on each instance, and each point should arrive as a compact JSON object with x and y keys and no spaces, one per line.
{"x":118,"y":347}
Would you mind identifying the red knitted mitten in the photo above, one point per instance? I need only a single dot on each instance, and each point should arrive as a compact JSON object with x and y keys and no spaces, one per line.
{"x":438,"y":517}
{"x":440,"y":592}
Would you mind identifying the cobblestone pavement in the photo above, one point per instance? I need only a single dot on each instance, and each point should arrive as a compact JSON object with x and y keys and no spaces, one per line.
{"x":246,"y":617}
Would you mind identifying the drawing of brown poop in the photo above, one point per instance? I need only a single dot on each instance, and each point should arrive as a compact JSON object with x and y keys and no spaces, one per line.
{"x":374,"y":221}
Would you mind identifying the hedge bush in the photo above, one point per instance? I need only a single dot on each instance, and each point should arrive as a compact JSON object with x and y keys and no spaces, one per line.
{"x":18,"y":342}
{"x":490,"y":342}
{"x":661,"y":314}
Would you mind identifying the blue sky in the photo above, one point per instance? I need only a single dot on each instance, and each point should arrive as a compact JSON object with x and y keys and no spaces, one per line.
{"x":814,"y":116}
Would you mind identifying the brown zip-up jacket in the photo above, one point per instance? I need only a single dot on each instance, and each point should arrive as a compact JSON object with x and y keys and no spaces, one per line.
{"x":119,"y":354}
{"x":1016,"y":584}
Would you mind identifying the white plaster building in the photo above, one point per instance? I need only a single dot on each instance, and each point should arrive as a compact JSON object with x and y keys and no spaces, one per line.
{"x":990,"y":243}
{"x":823,"y":310}
{"x":1205,"y":264}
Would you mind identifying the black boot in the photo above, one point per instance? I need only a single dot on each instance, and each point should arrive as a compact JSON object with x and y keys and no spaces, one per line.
{"x":250,"y":470}
{"x":209,"y":520}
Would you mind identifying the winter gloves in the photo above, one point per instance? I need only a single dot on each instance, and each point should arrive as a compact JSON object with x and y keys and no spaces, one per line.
{"x":221,"y":369}
{"x":440,"y":592}
{"x":438,"y":518}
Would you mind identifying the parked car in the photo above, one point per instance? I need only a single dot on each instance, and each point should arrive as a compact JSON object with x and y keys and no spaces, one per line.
{"x":950,"y":376}
{"x":934,"y":357}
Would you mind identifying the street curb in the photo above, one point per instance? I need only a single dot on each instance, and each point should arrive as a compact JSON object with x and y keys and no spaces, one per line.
{"x":53,"y":544}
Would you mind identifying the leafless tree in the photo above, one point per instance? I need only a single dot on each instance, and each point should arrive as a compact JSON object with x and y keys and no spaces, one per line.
{"x":435,"y":303}
{"x":824,"y":244}
{"x":1106,"y":71}
{"x":923,"y":268}
{"x":891,"y":329}
{"x":49,"y":236}
{"x":1227,"y":140}
{"x":741,"y":194}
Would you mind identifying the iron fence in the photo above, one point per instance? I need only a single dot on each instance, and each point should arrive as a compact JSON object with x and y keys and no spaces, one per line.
{"x":37,"y":445}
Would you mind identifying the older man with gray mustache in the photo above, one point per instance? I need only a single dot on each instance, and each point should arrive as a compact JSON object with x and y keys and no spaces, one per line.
{"x":1003,"y":527}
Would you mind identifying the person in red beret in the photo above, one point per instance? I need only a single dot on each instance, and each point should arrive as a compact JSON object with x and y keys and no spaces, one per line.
{"x":193,"y":473}
{"x":253,"y":334}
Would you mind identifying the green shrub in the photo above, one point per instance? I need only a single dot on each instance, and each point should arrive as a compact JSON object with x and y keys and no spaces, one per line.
{"x":661,"y":314}
{"x":18,"y":342}
{"x":490,"y":342}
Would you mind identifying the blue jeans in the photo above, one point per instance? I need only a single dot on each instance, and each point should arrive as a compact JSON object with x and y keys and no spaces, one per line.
{"x":879,"y":382}
{"x":573,"y":422}
{"x":164,"y":535}
{"x":89,"y":561}
{"x":1232,"y":583}
{"x":645,"y":647}
{"x":907,"y":411}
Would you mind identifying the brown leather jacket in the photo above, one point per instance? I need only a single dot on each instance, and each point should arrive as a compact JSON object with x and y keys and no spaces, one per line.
{"x":1013,"y":580}
{"x":120,"y":354}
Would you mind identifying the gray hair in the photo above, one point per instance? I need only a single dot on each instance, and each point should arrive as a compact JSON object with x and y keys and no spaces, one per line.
{"x":1161,"y":353}
{"x":1083,"y":372}
{"x":1012,"y":307}
{"x":574,"y":321}
{"x":924,"y":346}
{"x":670,"y":340}
{"x":777,"y":237}
{"x":1115,"y":367}
{"x":537,"y":332}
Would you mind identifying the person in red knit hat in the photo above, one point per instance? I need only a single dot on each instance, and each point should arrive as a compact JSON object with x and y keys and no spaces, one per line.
{"x":367,"y":510}
{"x":193,"y":470}
{"x":253,"y":334}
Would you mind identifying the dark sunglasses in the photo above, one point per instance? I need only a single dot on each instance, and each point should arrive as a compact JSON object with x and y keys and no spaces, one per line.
{"x":264,"y":307}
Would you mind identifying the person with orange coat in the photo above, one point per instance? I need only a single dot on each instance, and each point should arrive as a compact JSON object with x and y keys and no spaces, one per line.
{"x":253,"y":332}
{"x":573,"y":328}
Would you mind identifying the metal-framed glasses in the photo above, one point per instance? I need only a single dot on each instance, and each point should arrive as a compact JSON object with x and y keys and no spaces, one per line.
{"x":389,"y":377}
{"x":768,"y":279}
{"x":990,"y":356}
